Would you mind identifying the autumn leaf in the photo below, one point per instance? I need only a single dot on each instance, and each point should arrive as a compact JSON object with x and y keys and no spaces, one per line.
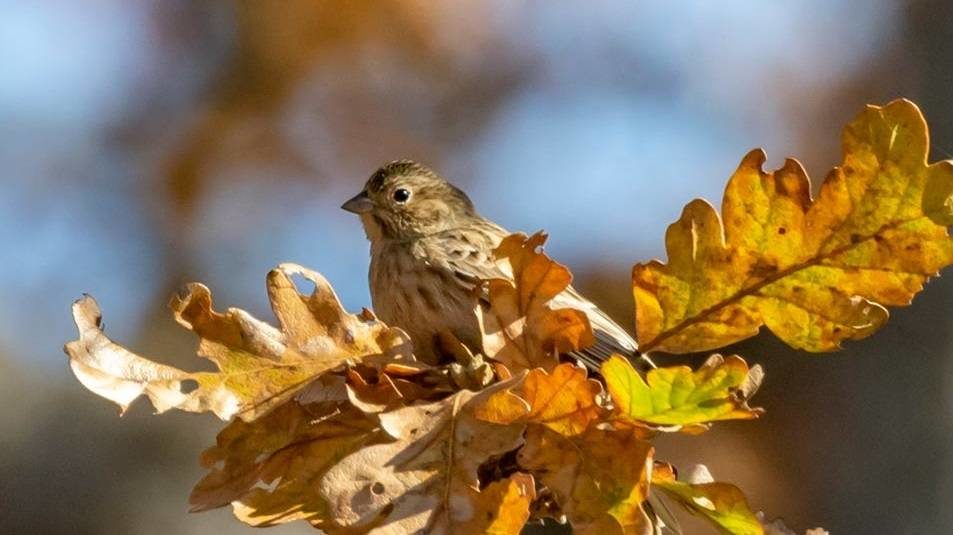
{"x":425,"y":479}
{"x":115,"y":373}
{"x":260,"y":366}
{"x":269,"y":469}
{"x":564,"y":400}
{"x":372,"y":398}
{"x":721,"y":503}
{"x":599,"y":477}
{"x":502,"y":508}
{"x":816,"y":272}
{"x":520,"y":328}
{"x":676,"y":395}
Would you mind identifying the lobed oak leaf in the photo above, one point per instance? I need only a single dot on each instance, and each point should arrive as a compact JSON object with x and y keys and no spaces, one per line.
{"x":599,"y":478}
{"x":260,"y":366}
{"x":678,"y":396}
{"x":721,"y":503}
{"x":815,"y":272}
{"x":520,"y":328}
{"x":269,"y":469}
{"x":563,"y":401}
{"x":425,"y":479}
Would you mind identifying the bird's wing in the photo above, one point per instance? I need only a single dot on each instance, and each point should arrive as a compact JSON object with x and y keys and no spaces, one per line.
{"x":610,"y":338}
{"x":468,"y":254}
{"x":469,"y":259}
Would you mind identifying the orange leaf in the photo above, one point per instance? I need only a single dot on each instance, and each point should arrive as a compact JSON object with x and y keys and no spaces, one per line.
{"x":519,"y":327}
{"x":564,"y":400}
{"x":599,"y":477}
{"x":502,"y":508}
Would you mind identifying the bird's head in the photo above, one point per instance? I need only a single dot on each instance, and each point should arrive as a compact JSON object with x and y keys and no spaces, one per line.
{"x":404,"y":200}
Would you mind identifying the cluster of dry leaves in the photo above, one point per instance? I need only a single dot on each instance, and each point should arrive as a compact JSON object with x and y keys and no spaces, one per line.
{"x":333,"y":421}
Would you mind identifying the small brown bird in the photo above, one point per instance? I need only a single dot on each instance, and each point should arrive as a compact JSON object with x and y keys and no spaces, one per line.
{"x":430,"y":248}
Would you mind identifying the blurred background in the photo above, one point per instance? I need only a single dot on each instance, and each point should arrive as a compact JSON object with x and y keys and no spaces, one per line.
{"x":147,"y":144}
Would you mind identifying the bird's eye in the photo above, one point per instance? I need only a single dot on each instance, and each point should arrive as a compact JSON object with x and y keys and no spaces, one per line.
{"x":401,"y":195}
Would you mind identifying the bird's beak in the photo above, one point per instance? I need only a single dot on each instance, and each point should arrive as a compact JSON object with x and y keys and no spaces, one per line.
{"x":359,"y":204}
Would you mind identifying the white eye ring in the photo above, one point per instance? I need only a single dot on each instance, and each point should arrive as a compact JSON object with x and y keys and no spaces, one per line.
{"x":401,"y":195}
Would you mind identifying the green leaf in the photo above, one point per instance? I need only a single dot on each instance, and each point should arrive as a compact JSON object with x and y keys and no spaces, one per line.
{"x":721,"y":503}
{"x":676,"y":395}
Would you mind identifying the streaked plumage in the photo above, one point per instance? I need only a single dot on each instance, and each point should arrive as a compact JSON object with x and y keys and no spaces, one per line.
{"x":429,"y":249}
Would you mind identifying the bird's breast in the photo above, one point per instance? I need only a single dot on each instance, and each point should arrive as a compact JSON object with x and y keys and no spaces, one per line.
{"x":416,"y":292}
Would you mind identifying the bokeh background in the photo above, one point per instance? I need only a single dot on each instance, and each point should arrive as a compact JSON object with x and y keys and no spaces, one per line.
{"x":146,"y":144}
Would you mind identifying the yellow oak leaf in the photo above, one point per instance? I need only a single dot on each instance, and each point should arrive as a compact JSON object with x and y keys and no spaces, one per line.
{"x":425,"y":480}
{"x":721,"y":503}
{"x":520,"y":328}
{"x":564,"y":400}
{"x":599,"y":478}
{"x":502,"y":508}
{"x":678,"y":396}
{"x":269,"y":469}
{"x":260,"y":366}
{"x":815,"y":272}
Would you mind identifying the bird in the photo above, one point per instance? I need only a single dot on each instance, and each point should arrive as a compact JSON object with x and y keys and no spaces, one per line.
{"x":430,"y":249}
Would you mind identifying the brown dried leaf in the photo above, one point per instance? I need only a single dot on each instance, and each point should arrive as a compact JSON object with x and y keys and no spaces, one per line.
{"x":426,"y":479}
{"x":260,"y":367}
{"x":382,"y":392}
{"x":374,"y":397}
{"x":519,"y":327}
{"x":269,"y":469}
{"x":327,"y":388}
{"x":115,"y":373}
